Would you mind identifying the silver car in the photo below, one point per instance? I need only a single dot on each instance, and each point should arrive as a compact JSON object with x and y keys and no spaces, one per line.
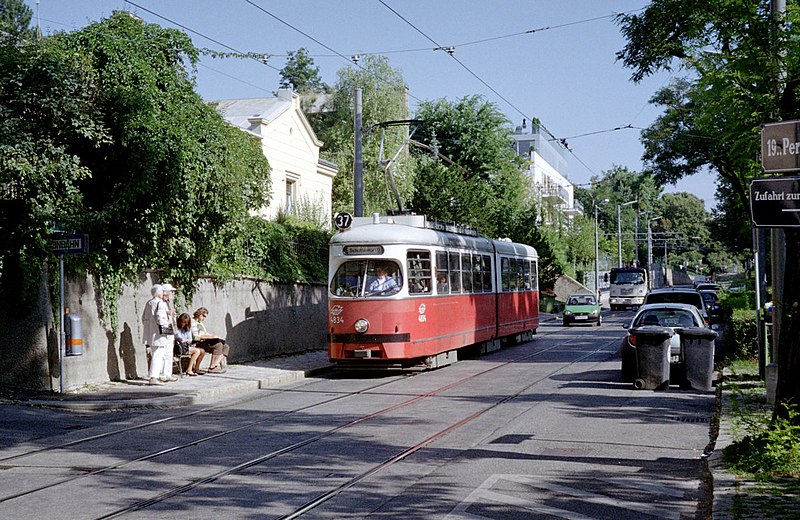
{"x":670,"y":315}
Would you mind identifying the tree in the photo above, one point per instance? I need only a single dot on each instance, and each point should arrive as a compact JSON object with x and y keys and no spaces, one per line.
{"x":301,"y":74}
{"x":48,"y":103}
{"x":621,"y":185}
{"x":686,"y":214}
{"x":107,"y":119}
{"x":15,"y":21}
{"x":383,"y":99}
{"x":482,"y":182}
{"x":745,"y":67}
{"x":578,"y":242}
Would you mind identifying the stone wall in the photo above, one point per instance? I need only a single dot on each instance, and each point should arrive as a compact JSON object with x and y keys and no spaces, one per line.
{"x":258,"y":320}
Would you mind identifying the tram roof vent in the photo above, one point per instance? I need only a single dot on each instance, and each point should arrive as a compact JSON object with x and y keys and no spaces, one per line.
{"x":417,"y":221}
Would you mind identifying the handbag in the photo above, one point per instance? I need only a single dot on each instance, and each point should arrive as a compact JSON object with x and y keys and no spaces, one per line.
{"x":166,"y":329}
{"x":181,"y":348}
{"x":163,"y":329}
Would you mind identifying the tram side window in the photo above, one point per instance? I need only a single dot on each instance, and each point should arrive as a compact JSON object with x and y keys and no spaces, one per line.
{"x":477,"y":276}
{"x":506,"y":273}
{"x":442,"y":273}
{"x":466,"y":273}
{"x":419,"y":272}
{"x":455,"y":273}
{"x":486,"y":272}
{"x":535,"y":275}
{"x":526,"y":275}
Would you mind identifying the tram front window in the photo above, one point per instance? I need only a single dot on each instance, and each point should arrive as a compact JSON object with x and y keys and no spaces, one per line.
{"x":367,"y":278}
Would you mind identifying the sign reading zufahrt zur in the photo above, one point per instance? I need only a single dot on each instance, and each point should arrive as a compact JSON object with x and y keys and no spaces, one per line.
{"x":780,"y":146}
{"x":775,"y":202}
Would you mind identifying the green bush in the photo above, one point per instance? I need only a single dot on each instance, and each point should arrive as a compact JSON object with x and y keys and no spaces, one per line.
{"x":741,"y":334}
{"x":730,"y":301}
{"x":771,"y":448}
{"x":284,"y":251}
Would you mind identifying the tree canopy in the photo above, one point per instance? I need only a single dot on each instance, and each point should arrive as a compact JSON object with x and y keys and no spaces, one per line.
{"x":469,"y":172}
{"x":743,"y":69}
{"x":15,"y":21}
{"x":383,"y":99}
{"x":103,"y":133}
{"x":300,"y":73}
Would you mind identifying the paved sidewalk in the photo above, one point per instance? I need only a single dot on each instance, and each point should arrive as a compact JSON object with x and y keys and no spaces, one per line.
{"x":239,"y":379}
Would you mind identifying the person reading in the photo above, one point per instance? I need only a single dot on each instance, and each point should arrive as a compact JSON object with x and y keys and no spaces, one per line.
{"x":209,"y":342}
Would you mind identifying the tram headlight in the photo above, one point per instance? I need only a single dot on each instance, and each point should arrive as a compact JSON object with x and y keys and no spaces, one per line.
{"x":361,"y":325}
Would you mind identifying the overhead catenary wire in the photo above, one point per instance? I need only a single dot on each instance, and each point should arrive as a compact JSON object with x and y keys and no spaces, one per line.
{"x":437,"y":46}
{"x":350,"y":59}
{"x":188,"y":29}
{"x":481,"y":80}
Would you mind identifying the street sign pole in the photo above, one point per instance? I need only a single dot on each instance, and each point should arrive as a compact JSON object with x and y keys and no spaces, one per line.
{"x":65,"y":244}
{"x":62,"y":338}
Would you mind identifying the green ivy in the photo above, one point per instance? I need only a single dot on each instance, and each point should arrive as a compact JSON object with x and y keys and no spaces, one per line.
{"x":770,"y":449}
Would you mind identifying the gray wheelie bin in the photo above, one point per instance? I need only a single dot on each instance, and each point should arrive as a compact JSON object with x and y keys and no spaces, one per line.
{"x":652,"y":357}
{"x":697,"y":345}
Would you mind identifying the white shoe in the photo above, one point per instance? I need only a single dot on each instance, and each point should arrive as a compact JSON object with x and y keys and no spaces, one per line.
{"x":154,"y":382}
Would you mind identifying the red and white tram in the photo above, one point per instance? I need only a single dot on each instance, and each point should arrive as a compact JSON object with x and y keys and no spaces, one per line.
{"x":406,"y":292}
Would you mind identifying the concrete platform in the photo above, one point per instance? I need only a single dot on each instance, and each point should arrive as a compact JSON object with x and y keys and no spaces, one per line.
{"x":237,"y":380}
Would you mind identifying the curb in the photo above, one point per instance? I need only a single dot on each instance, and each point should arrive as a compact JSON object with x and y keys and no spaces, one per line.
{"x":185,"y":399}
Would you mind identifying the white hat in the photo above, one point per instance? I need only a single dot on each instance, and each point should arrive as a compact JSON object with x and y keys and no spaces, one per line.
{"x":157,"y":290}
{"x":167,"y":288}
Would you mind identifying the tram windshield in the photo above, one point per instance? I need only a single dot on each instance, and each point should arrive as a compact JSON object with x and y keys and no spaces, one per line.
{"x":367,"y":278}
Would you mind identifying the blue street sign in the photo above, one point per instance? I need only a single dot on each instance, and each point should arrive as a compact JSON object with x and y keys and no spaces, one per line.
{"x":73,"y":244}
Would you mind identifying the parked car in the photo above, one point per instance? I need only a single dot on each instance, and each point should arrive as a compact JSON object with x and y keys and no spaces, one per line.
{"x":581,"y":308}
{"x":707,"y":286}
{"x":670,"y":315}
{"x":713,"y":308}
{"x":679,"y":295}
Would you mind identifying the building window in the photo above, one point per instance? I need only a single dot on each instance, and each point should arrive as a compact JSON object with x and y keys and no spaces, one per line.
{"x":291,"y":193}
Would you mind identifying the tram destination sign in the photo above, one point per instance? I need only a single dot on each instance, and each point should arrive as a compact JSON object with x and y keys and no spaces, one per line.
{"x":780,"y":146}
{"x":775,"y":202}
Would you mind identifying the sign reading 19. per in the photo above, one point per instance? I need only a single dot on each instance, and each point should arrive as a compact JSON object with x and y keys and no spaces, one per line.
{"x":785,"y":147}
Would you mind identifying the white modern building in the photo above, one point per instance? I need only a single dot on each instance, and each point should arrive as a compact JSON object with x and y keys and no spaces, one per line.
{"x":301,"y":181}
{"x":547,"y":168}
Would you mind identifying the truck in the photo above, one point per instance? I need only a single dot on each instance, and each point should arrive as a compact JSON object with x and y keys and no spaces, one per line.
{"x":628,"y":287}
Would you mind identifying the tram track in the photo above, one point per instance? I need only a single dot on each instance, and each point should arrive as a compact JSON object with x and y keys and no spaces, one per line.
{"x":229,"y":431}
{"x":254,"y":461}
{"x":163,"y":420}
{"x":398,"y":457}
{"x":198,"y":482}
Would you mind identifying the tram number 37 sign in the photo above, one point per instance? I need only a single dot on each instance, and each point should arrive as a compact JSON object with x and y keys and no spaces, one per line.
{"x":775,"y":202}
{"x":342,"y":220}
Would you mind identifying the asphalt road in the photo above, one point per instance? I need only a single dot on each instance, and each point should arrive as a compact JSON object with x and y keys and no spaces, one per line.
{"x":538,"y":430}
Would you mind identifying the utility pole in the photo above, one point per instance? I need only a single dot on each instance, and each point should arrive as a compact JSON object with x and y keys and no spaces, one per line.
{"x":778,"y":245}
{"x":358,"y":161}
{"x":619,"y":230}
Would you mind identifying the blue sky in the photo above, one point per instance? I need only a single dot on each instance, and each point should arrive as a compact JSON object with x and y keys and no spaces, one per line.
{"x":551,"y":59}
